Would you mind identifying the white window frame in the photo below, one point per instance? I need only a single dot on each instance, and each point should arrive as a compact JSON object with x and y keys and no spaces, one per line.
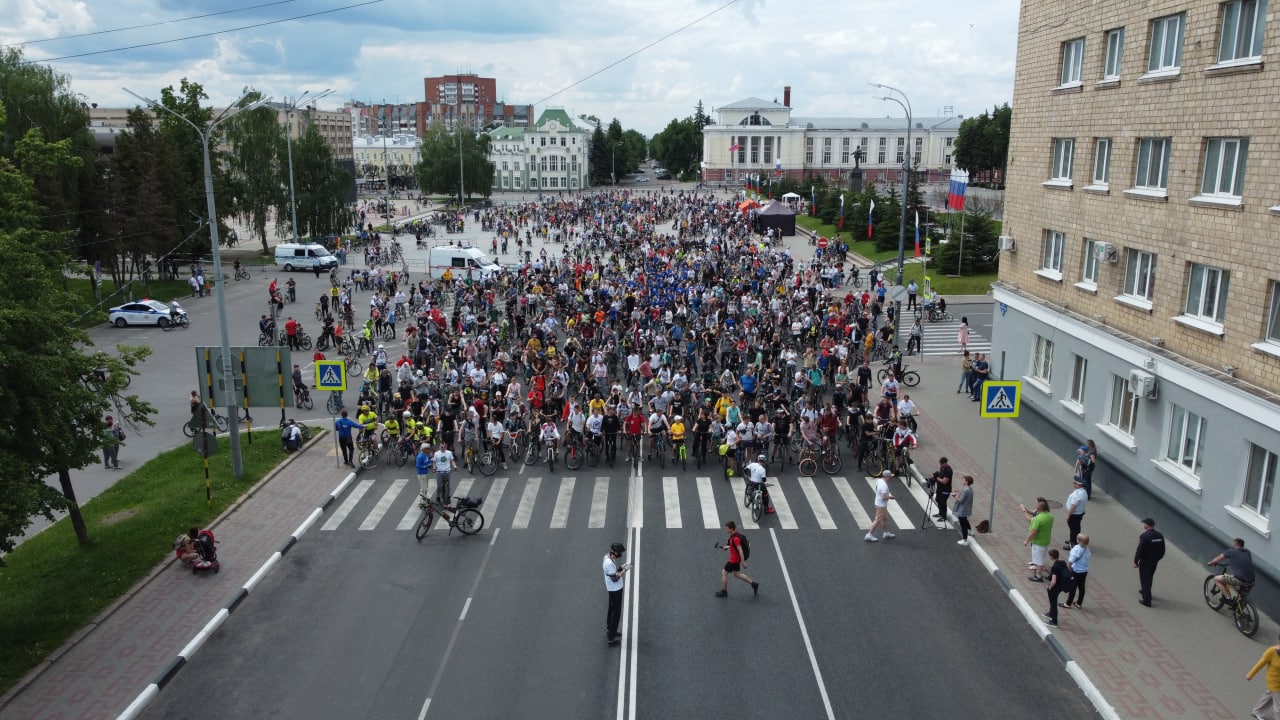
{"x":1042,"y":360}
{"x":1071,"y":72}
{"x":1089,"y":265}
{"x":1139,"y":278}
{"x":1079,"y":376}
{"x":1207,"y":291}
{"x":1101,"y":163}
{"x":1063,"y":155}
{"x":1224,"y":168}
{"x":1164,"y":55}
{"x":1152,"y":171}
{"x":1123,"y":413}
{"x":1051,"y":255}
{"x":1259,"y":481}
{"x":1184,"y":443}
{"x":1271,"y":332}
{"x":1114,"y":56}
{"x":1241,"y":33}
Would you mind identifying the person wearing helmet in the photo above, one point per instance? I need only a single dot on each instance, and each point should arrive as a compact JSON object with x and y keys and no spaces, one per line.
{"x":614,"y":570}
{"x":755,"y":474}
{"x":677,"y":438}
{"x":368,"y":420}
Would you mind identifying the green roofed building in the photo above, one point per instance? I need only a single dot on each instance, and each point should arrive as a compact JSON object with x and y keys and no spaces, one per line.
{"x":552,"y":156}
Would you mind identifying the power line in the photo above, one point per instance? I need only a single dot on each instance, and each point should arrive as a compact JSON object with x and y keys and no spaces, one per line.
{"x":154,"y":24}
{"x":624,"y":58}
{"x":208,"y":34}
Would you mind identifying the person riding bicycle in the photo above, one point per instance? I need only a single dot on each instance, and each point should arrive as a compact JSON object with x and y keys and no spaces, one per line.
{"x":903,"y":439}
{"x":549,"y":434}
{"x":610,"y":427}
{"x":756,"y":472}
{"x":657,"y":426}
{"x":236,"y":267}
{"x":368,"y":420}
{"x":576,"y":424}
{"x":907,"y":411}
{"x":495,"y":434}
{"x":175,"y":310}
{"x":595,"y":428}
{"x":634,"y":427}
{"x":1239,"y":573}
{"x":299,"y":385}
{"x":677,"y":437}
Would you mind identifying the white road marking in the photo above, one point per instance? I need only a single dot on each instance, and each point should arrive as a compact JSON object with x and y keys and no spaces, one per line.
{"x":895,"y":510}
{"x":860,"y":516}
{"x":384,"y":504}
{"x":465,"y":607}
{"x":347,"y":505}
{"x":635,"y":501}
{"x":782,"y":508}
{"x":412,"y":514}
{"x":560,"y":515}
{"x":525,"y":509}
{"x":599,"y":503}
{"x":671,"y":502}
{"x":815,"y":501}
{"x":739,"y":485}
{"x":710,"y":518}
{"x":804,"y":632}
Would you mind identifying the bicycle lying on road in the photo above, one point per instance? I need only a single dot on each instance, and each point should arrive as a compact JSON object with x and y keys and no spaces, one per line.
{"x":464,"y":515}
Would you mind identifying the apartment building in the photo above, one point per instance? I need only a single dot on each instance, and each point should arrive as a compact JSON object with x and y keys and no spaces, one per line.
{"x":1139,"y":297}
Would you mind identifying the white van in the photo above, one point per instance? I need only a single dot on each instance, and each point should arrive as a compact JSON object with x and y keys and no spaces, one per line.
{"x":460,"y":260}
{"x":297,"y":256}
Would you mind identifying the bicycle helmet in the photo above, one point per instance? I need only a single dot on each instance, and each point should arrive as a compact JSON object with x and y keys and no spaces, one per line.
{"x":407,"y":414}
{"x":617,"y":548}
{"x":761,"y":458}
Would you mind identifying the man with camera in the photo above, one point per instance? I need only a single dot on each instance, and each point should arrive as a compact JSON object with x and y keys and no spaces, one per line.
{"x":614,"y":571}
{"x":940,"y":483}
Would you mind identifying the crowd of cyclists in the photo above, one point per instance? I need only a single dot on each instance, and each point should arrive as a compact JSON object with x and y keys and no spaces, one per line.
{"x":658,"y":325}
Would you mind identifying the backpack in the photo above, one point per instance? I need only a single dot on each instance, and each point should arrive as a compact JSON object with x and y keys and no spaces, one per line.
{"x":119,"y":432}
{"x":1067,"y":581}
{"x":744,"y":545}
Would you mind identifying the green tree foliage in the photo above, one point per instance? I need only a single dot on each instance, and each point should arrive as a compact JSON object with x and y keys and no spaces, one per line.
{"x":188,"y":194}
{"x":319,"y":186}
{"x":257,"y":167}
{"x":50,"y":420}
{"x":438,"y":172}
{"x":633,"y":149}
{"x":982,"y":144}
{"x":600,"y":158}
{"x":678,"y":147}
{"x":980,"y":247}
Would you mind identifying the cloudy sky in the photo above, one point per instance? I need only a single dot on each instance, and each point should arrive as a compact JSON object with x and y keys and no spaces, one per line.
{"x":601,"y":57}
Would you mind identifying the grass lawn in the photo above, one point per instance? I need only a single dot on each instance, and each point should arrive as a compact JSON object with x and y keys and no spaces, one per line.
{"x":51,"y":587}
{"x":865,"y":248}
{"x":163,"y":290}
{"x":971,"y":285}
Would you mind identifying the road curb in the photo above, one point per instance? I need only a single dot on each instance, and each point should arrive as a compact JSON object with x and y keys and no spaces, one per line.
{"x":186,"y":653}
{"x":132,"y":592}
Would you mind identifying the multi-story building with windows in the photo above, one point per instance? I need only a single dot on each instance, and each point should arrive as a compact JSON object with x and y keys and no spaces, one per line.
{"x":553,"y":155}
{"x":333,"y":125}
{"x":767,"y":140}
{"x":1139,"y":296}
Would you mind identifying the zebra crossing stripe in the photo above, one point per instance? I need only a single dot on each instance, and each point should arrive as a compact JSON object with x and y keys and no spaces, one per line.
{"x":710,"y":518}
{"x":739,"y":486}
{"x":815,"y":501}
{"x":462,"y":488}
{"x":560,"y":515}
{"x":671,"y":502}
{"x":895,"y":510}
{"x":525,"y":510}
{"x":495,"y":495}
{"x":781,"y":507}
{"x":384,"y":504}
{"x":347,"y":506}
{"x":599,"y":503}
{"x":860,"y":516}
{"x":412,"y":513}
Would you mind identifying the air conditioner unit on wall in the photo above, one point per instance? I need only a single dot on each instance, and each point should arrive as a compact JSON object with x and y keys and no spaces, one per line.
{"x":1106,"y":252}
{"x":1007,"y":243}
{"x":1143,"y":384}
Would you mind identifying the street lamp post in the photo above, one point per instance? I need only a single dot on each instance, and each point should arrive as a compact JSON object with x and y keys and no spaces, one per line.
{"x":290,"y":108}
{"x":905,"y":104}
{"x":237,"y":462}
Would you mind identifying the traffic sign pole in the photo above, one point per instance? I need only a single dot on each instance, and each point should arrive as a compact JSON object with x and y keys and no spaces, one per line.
{"x":995,"y":462}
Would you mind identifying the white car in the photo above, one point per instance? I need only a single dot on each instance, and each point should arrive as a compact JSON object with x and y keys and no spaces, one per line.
{"x":643,"y":178}
{"x":142,"y":312}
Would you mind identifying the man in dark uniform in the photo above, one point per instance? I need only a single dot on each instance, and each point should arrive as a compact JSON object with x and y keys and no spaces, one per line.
{"x":1147,"y":557}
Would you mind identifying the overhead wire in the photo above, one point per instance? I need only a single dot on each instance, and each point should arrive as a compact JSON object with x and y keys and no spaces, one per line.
{"x":147,"y":25}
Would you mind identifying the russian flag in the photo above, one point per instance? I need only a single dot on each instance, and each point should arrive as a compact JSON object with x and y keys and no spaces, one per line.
{"x":917,"y":233}
{"x":959,"y":181}
{"x":870,"y":218}
{"x":735,"y":147}
{"x":841,"y":211}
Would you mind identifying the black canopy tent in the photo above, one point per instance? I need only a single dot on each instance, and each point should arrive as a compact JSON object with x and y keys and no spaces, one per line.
{"x":776,"y":215}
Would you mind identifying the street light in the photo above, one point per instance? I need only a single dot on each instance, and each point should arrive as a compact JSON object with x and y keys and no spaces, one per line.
{"x":288,"y":113}
{"x":905,"y":104}
{"x":237,"y":463}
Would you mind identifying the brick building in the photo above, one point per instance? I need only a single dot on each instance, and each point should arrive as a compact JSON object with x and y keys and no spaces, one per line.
{"x":1140,"y":301}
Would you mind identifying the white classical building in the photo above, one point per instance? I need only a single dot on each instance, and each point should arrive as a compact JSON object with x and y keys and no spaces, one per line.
{"x":767,"y":140}
{"x":553,"y":155}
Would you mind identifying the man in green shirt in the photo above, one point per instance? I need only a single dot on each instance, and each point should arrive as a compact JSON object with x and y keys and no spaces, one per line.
{"x":1039,"y":536}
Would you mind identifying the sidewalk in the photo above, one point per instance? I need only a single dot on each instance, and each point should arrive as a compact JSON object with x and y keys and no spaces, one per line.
{"x":1177,"y":659}
{"x":103,"y":668}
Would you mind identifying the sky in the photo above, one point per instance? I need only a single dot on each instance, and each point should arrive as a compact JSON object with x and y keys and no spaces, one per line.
{"x":644,"y":63}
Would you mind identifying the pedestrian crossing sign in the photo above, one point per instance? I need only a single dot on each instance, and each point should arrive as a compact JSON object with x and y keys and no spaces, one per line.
{"x":331,"y":375}
{"x":1001,"y":399}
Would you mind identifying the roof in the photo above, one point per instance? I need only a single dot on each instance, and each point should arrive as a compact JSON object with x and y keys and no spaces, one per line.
{"x":558,"y":115}
{"x":753,"y":103}
{"x":937,"y":124}
{"x":507,"y":133}
{"x":776,"y":208}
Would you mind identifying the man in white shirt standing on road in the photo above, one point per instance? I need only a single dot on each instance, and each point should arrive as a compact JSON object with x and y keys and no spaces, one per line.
{"x":444,"y":465}
{"x":614,"y":570}
{"x":883,"y":496}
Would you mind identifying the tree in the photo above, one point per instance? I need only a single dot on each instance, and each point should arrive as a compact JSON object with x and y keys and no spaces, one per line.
{"x":188,"y":193}
{"x":600,"y":160}
{"x":257,"y":167}
{"x":438,"y":171}
{"x":50,"y":421}
{"x":678,"y":147}
{"x":980,"y":246}
{"x":982,"y":143}
{"x":320,"y":186}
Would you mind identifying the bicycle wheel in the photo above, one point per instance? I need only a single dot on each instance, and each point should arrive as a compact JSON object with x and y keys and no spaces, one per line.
{"x":424,"y":524}
{"x":333,"y":404}
{"x":661,"y":452}
{"x":831,"y":463}
{"x":911,"y":378}
{"x":808,"y":467}
{"x":574,"y":457}
{"x":757,"y":507}
{"x":919,"y":313}
{"x":354,"y":367}
{"x":401,"y":455}
{"x":368,"y":458}
{"x":264,"y":340}
{"x":164,"y":324}
{"x":488,"y":463}
{"x":188,"y":429}
{"x":593,"y":455}
{"x":184,"y":321}
{"x":884,"y":373}
{"x":469,"y":521}
{"x":221,"y":422}
{"x":305,"y":342}
{"x":746,"y":497}
{"x":873,"y":464}
{"x":307,"y":402}
{"x":1212,"y":596}
{"x":1246,"y":619}
{"x":531,"y":454}
{"x":306,"y":431}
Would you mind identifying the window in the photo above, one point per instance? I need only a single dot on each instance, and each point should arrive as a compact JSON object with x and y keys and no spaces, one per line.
{"x":1153,"y":163}
{"x":1139,"y":274}
{"x":826,"y":150}
{"x":1186,"y":438}
{"x":1260,"y":480}
{"x":741,"y":142}
{"x":808,"y":151}
{"x":884,"y":143}
{"x":1052,"y":259}
{"x":768,"y":150}
{"x":915,"y":154}
{"x":1224,"y":167}
{"x":1079,"y":369}
{"x":1241,"y":37}
{"x":1072,"y":62}
{"x":1089,"y":274}
{"x":1063,"y":149}
{"x":1042,"y":360}
{"x":1124,"y":406}
{"x":1207,"y":293}
{"x":844,"y":151}
{"x":1273,"y":315}
{"x":902,"y":150}
{"x":1115,"y":53}
{"x":755,"y":151}
{"x":1102,"y":161}
{"x":1166,"y":44}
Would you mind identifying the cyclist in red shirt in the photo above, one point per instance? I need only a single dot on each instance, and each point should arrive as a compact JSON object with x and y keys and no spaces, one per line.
{"x":633,"y":426}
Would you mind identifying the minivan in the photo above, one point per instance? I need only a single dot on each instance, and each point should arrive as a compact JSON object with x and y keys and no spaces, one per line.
{"x":297,"y":256}
{"x":460,"y":260}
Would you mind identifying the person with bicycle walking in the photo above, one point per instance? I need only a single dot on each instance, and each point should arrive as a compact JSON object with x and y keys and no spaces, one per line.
{"x":756,"y":473}
{"x":1239,"y":570}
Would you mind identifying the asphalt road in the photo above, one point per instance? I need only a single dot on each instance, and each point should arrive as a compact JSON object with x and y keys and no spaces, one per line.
{"x":362,"y":621}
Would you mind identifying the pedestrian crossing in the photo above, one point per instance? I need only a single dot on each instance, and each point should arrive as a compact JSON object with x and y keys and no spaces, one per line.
{"x":943,"y":338}
{"x":574,"y":502}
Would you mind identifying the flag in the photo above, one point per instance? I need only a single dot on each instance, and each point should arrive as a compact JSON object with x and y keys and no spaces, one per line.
{"x":870,"y":218}
{"x":813,"y":202}
{"x":917,"y":233}
{"x":841,"y":211}
{"x":959,"y":181}
{"x":735,"y":147}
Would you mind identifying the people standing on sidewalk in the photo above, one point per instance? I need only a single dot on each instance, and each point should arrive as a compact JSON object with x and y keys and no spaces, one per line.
{"x":966,"y":368}
{"x":112,"y":439}
{"x":344,"y":425}
{"x":737,"y":561}
{"x":1039,"y":536}
{"x":941,"y":481}
{"x":1076,"y":502}
{"x":1148,"y":555}
{"x":962,"y":335}
{"x":1086,"y":461}
{"x":1057,"y":573}
{"x":981,"y":371}
{"x":964,"y":507}
{"x":883,"y":496}
{"x":1271,"y":696}
{"x":614,"y":571}
{"x":1078,"y":560}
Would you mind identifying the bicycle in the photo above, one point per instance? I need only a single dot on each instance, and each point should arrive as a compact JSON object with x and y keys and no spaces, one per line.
{"x":214,"y":420}
{"x":242,"y":274}
{"x":592,"y":450}
{"x":354,"y":367}
{"x":574,"y":454}
{"x":754,"y":499}
{"x":369,"y":454}
{"x":551,"y":454}
{"x":682,"y":454}
{"x":829,"y":458}
{"x":465,"y":516}
{"x":877,"y":457}
{"x":488,"y":462}
{"x":910,"y":378}
{"x":1242,"y":611}
{"x":334,"y":403}
{"x":633,"y":450}
{"x":808,"y":464}
{"x":181,"y":321}
{"x":302,"y":398}
{"x":658,"y":448}
{"x":780,"y":450}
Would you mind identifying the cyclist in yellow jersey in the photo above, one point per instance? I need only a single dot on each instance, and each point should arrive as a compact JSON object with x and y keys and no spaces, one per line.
{"x":722,"y":405}
{"x":447,"y":276}
{"x":596,"y":403}
{"x":677,"y":437}
{"x":392,"y":426}
{"x":369,"y":420}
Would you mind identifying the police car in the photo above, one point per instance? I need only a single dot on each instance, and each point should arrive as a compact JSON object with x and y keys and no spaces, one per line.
{"x":141,"y":312}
